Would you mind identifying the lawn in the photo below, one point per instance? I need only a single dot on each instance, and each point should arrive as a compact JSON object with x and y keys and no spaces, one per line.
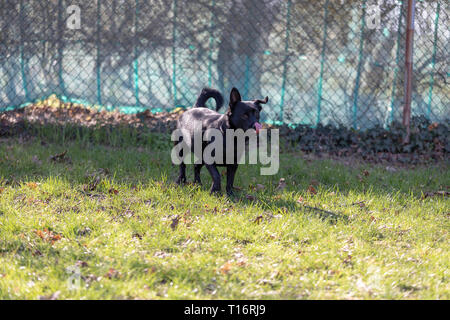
{"x":106,"y":222}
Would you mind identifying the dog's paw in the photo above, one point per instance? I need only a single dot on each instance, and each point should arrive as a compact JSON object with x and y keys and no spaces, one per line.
{"x":215,"y":191}
{"x":180,"y":180}
{"x":230,"y":192}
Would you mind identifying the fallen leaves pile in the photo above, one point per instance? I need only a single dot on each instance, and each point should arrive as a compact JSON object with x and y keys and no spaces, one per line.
{"x":48,"y":235}
{"x":53,"y":111}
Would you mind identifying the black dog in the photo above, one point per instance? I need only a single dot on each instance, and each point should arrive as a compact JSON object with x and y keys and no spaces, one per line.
{"x":240,"y":115}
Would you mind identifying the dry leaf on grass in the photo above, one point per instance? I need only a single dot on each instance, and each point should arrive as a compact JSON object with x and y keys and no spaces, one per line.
{"x":260,"y":187}
{"x":312,"y":190}
{"x":60,"y":157}
{"x":361,"y":204}
{"x":258,"y":219}
{"x":281,"y":185}
{"x":32,"y":185}
{"x":225,"y":269}
{"x":82,"y":264}
{"x":84,"y":231}
{"x":113,"y":191}
{"x":48,"y":235}
{"x":112,"y":274}
{"x":175,"y":221}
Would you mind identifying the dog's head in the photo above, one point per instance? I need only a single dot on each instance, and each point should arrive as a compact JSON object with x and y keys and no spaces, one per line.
{"x":245,"y":114}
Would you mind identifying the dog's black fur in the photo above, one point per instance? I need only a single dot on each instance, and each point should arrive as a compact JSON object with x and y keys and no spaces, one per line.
{"x":240,"y":115}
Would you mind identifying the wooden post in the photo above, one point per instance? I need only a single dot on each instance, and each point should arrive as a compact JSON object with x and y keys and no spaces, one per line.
{"x":408,"y":69}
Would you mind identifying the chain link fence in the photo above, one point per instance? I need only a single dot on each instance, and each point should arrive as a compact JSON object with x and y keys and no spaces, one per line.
{"x":335,"y":62}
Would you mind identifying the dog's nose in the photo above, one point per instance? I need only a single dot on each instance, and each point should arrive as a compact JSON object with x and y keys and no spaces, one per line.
{"x":257,"y":126}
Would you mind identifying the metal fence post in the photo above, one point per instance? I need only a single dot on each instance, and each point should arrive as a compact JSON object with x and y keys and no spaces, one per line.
{"x":286,"y":51}
{"x":98,"y":58}
{"x":322,"y":62}
{"x":22,"y":59}
{"x":174,"y":61}
{"x":136,"y":55}
{"x":211,"y":41}
{"x":397,"y":61}
{"x":60,"y":57}
{"x":408,"y":69}
{"x":360,"y":65}
{"x":433,"y":62}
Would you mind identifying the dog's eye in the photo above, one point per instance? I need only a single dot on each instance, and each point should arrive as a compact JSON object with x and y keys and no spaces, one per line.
{"x":245,"y":116}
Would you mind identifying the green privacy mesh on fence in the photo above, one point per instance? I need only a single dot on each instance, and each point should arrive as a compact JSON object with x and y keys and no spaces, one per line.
{"x":338,"y":62}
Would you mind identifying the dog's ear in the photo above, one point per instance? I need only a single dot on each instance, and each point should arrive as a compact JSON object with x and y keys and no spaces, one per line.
{"x":235,"y":97}
{"x":259,"y":102}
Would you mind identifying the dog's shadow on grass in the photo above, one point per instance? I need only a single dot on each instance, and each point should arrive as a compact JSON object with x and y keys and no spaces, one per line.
{"x":269,"y":204}
{"x":286,"y":207}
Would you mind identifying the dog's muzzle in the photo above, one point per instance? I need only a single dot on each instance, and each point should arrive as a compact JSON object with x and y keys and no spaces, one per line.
{"x":257,"y":126}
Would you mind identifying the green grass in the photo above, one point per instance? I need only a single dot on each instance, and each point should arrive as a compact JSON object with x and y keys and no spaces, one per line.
{"x":374,"y":237}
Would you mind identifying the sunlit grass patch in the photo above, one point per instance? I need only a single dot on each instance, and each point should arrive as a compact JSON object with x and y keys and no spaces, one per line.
{"x":112,"y":219}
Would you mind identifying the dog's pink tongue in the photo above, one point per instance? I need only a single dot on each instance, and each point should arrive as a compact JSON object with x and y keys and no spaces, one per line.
{"x":258,"y":127}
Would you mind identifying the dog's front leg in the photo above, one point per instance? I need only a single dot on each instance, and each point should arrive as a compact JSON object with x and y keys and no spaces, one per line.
{"x":197,"y":169}
{"x":231,"y":171}
{"x":215,"y":176}
{"x":182,"y":177}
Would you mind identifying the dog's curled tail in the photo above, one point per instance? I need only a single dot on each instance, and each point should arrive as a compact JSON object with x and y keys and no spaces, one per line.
{"x":209,"y":93}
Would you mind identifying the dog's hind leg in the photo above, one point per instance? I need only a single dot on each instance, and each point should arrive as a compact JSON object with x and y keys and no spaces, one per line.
{"x":182,"y":177}
{"x":197,"y":169}
{"x":231,"y":171}
{"x":215,"y":176}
